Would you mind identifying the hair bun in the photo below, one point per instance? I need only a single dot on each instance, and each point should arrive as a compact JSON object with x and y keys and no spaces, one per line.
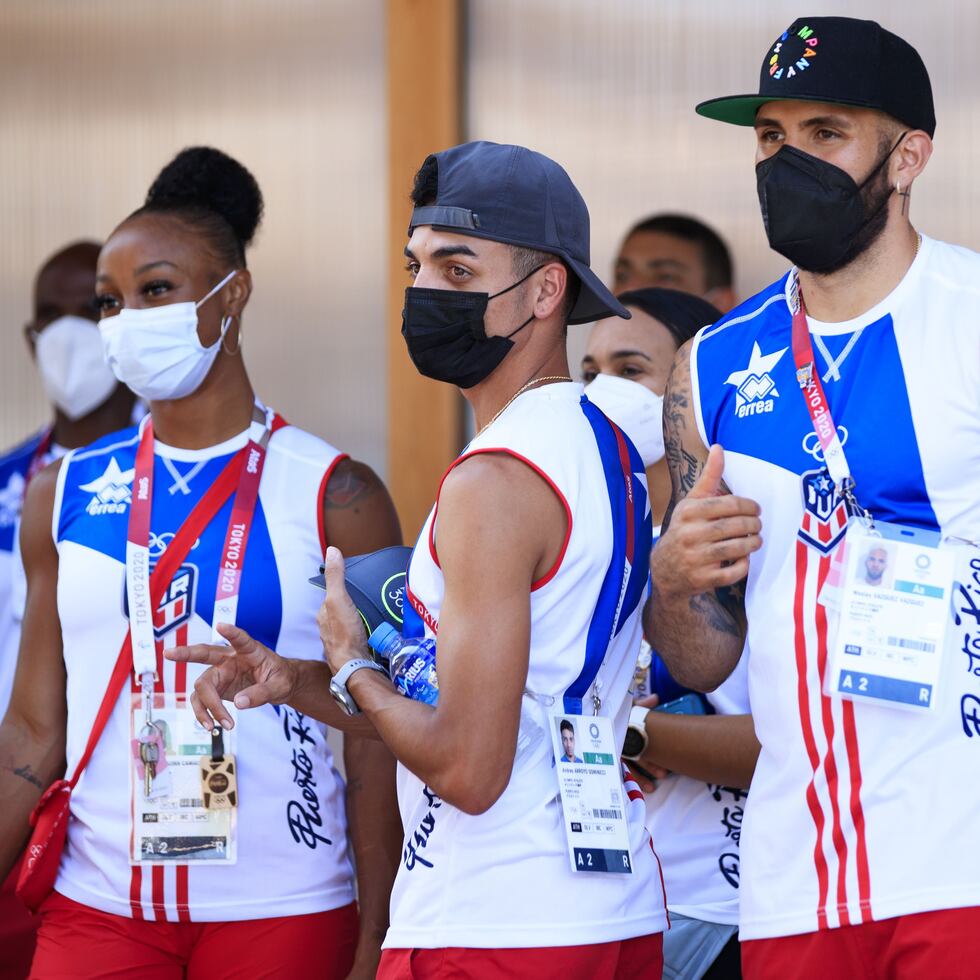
{"x":202,"y":176}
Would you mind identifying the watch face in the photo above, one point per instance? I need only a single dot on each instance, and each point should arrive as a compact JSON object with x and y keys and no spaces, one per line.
{"x":343,"y":698}
{"x":633,"y":744}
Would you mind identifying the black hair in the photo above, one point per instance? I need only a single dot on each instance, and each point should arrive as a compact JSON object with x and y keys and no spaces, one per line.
{"x":213,"y":193}
{"x":566,"y":726}
{"x":681,"y":313}
{"x":714,"y":252}
{"x":425,"y":189}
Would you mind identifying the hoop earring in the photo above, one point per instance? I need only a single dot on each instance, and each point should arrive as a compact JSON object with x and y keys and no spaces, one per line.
{"x":226,"y":323}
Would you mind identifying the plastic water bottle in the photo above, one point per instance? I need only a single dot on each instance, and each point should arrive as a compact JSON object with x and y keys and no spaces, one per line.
{"x":411,"y":662}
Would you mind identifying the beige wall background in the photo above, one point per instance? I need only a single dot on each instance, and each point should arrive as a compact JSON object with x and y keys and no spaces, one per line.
{"x":608,"y":89}
{"x":96,"y":96}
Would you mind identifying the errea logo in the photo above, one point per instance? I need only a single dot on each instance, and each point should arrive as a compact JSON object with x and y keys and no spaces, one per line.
{"x":113,"y":490}
{"x":755,"y":391}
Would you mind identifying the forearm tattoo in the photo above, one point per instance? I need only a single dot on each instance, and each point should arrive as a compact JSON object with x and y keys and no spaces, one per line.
{"x":25,"y":772}
{"x":723,"y":609}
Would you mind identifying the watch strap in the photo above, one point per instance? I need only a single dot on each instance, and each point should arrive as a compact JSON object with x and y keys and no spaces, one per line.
{"x":343,"y":675}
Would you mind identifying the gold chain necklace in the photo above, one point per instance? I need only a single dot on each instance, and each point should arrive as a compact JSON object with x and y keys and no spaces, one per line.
{"x":520,"y":391}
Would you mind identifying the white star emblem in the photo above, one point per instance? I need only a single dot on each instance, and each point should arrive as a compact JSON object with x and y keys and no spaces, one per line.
{"x":754,"y":382}
{"x":113,"y":486}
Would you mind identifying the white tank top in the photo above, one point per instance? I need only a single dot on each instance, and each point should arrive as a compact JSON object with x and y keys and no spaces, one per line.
{"x":697,"y":827}
{"x":292,"y":854}
{"x":502,"y":879}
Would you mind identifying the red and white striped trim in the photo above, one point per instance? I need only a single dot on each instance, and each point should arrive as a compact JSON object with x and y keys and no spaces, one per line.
{"x":835,"y":781}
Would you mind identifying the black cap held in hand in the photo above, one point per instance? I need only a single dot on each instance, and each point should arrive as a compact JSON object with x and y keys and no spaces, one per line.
{"x":842,"y":61}
{"x":511,"y":194}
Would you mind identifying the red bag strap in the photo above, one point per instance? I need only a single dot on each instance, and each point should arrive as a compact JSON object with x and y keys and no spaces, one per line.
{"x":198,"y":519}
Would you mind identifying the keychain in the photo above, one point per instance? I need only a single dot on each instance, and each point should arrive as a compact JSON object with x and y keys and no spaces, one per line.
{"x":219,"y":784}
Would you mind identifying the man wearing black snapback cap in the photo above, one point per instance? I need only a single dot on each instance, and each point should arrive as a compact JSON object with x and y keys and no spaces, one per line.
{"x":846,"y":399}
{"x":530,"y":575}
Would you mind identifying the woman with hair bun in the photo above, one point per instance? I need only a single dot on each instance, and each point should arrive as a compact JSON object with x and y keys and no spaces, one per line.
{"x":192,"y":852}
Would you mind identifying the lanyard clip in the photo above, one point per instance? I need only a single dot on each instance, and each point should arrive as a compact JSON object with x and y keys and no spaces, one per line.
{"x":146,"y":682}
{"x":217,"y":744}
{"x":846,"y":489}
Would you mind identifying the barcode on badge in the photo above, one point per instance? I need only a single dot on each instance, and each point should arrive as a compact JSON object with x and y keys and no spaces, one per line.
{"x":607,"y":815}
{"x":902,"y":643}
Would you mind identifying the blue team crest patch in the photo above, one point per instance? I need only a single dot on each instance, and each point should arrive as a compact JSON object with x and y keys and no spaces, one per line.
{"x":825,"y":513}
{"x":177,"y":604}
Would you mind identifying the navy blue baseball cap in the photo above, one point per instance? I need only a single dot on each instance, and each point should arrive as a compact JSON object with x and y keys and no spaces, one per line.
{"x":513,"y":195}
{"x":842,"y":61}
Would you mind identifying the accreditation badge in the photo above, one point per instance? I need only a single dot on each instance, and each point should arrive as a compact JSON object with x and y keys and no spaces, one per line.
{"x":590,"y":778}
{"x":893,"y":600}
{"x":171,"y":823}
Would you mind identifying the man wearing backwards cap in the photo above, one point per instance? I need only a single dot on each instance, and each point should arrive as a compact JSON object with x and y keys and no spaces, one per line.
{"x":532,"y":581}
{"x":849,"y":385}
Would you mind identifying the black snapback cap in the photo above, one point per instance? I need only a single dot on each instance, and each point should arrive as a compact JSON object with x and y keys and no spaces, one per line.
{"x":842,"y":61}
{"x":511,"y":194}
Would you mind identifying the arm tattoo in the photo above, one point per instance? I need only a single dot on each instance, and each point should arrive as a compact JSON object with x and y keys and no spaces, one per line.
{"x":350,"y":485}
{"x":684,"y":467}
{"x":25,"y":772}
{"x":722,"y":610}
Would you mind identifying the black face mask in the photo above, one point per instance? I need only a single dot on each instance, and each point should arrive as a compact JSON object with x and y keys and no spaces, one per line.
{"x":815,"y":214}
{"x":446,"y":336}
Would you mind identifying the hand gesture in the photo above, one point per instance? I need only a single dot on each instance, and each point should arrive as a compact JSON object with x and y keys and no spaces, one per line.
{"x":341,"y":626}
{"x":247,"y":672}
{"x":710,"y":536}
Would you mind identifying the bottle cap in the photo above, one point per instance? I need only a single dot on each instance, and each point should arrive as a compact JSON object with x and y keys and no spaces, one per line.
{"x":384,"y":639}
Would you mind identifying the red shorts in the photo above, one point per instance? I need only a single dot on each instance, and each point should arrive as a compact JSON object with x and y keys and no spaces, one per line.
{"x":76,"y":941}
{"x":909,"y":947}
{"x":629,"y":959}
{"x":17,"y":931}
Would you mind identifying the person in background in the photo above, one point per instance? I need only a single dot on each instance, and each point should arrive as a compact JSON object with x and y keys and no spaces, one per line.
{"x":87,"y":402}
{"x":676,"y":251}
{"x":155,"y":881}
{"x":703,"y":763}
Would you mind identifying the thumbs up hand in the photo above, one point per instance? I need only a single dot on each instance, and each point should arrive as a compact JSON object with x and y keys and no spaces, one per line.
{"x":710,"y":483}
{"x":710,"y":536}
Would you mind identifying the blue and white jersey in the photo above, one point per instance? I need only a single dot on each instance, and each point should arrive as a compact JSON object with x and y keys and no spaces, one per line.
{"x":857,"y":812}
{"x":14,"y":467}
{"x":292,"y":834}
{"x":502,"y":879}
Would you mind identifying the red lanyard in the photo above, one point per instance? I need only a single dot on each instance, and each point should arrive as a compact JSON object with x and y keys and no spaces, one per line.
{"x":819,"y":408}
{"x":816,"y":400}
{"x":250,"y":462}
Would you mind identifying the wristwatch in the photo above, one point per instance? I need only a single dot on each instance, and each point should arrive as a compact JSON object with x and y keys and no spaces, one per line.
{"x":338,"y":683}
{"x":635,"y":743}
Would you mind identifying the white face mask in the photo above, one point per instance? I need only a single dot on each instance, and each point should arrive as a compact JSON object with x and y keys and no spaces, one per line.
{"x":72,"y":365}
{"x":157,"y":352}
{"x":635,"y":409}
